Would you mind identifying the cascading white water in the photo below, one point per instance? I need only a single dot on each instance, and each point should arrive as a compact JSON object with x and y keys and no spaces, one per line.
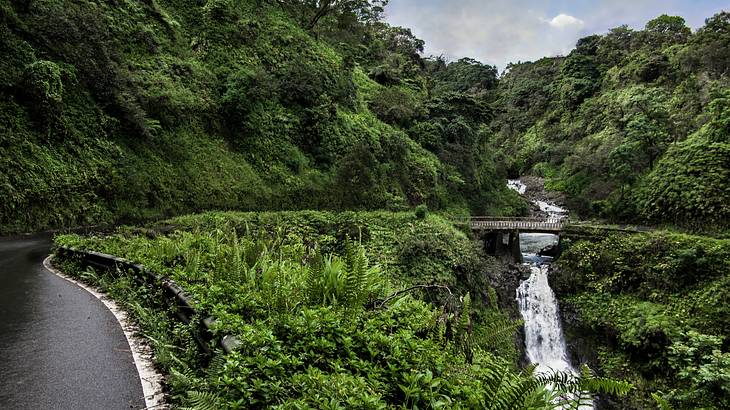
{"x":517,"y":185}
{"x":544,"y":342}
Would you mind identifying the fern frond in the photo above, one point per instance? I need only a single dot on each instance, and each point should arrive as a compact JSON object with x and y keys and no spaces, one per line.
{"x":591,"y":383}
{"x":512,"y":392}
{"x":217,"y":363}
{"x":661,"y":402}
{"x":314,"y":278}
{"x":492,"y":298}
{"x":499,"y":333}
{"x":349,"y":254}
{"x":204,"y":400}
{"x":465,"y":316}
{"x":355,"y":286}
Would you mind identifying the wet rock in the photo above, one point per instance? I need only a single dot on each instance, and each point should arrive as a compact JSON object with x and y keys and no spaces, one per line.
{"x":551,"y":250}
{"x":536,"y":191}
{"x":505,"y":278}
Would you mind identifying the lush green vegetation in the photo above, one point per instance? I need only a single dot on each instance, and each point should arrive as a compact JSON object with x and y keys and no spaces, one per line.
{"x":631,"y":125}
{"x":653,"y":308}
{"x":326,"y":321}
{"x":133,"y":110}
{"x":128,"y":110}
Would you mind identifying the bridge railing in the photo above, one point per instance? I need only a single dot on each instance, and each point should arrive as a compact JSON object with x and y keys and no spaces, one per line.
{"x":486,"y":222}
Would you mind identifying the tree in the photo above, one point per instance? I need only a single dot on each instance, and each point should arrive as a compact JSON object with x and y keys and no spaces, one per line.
{"x":44,"y":86}
{"x":394,"y":53}
{"x":312,"y":11}
{"x":665,"y":30}
{"x":465,"y":75}
{"x":709,"y":48}
{"x":580,"y":79}
{"x":615,"y":46}
{"x":641,"y":115}
{"x":688,"y":186}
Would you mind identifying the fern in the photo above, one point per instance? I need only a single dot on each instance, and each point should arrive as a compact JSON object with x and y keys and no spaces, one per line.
{"x":589,"y":382}
{"x":661,"y":402}
{"x":356,"y":286}
{"x":346,"y":282}
{"x":314,"y":279}
{"x":499,"y":333}
{"x":464,"y":330}
{"x":506,"y":390}
{"x":202,"y":400}
{"x":464,"y":324}
{"x":350,"y":257}
{"x":182,"y":380}
{"x":576,"y":391}
{"x":492,"y":298}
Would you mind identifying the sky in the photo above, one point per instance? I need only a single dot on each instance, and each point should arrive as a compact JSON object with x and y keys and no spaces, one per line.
{"x":497,"y":32}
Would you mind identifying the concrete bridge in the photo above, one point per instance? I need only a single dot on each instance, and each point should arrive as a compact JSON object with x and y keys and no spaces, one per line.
{"x":507,"y":224}
{"x":501,"y":235}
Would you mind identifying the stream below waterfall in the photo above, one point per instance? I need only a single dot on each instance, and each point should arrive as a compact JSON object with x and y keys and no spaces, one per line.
{"x":544,"y":341}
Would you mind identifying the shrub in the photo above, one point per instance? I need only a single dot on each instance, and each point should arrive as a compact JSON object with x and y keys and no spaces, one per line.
{"x":421,"y":211}
{"x":315,"y":329}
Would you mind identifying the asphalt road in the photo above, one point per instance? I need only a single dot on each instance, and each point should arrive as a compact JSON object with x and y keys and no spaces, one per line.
{"x":60,"y":348}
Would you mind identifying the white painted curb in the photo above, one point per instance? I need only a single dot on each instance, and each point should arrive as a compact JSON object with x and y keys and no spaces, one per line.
{"x":150,"y":378}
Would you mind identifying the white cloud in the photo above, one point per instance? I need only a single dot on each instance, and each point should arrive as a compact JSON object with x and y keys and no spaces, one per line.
{"x":562,"y":21}
{"x":493,"y":31}
{"x":502,"y":31}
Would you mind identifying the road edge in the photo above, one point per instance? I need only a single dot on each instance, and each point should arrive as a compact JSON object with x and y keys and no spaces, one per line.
{"x":149,"y":377}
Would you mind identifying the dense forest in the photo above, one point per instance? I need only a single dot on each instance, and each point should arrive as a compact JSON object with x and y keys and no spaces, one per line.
{"x":651,"y":308}
{"x":332,"y":310}
{"x":125,"y":110}
{"x":632,"y":125}
{"x":130,"y":111}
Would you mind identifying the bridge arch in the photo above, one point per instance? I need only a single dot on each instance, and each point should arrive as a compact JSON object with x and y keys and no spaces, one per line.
{"x":501,"y":235}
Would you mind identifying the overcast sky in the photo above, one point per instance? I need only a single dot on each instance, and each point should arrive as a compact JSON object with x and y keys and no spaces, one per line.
{"x":501,"y":31}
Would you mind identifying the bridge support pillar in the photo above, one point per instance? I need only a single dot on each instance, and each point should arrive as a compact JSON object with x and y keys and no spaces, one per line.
{"x":504,"y":245}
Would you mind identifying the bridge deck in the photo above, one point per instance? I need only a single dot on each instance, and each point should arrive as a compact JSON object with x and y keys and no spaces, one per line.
{"x":515,"y":224}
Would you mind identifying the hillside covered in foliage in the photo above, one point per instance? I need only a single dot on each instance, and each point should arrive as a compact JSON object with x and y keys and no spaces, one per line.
{"x":127,"y":110}
{"x":631,"y":125}
{"x":367,"y":310}
{"x":131,"y":110}
{"x":650,"y":308}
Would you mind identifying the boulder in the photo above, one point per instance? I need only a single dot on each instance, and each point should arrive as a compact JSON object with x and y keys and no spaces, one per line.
{"x":551,"y":250}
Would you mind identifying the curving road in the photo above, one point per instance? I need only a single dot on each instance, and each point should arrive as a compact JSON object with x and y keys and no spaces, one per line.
{"x":60,"y":348}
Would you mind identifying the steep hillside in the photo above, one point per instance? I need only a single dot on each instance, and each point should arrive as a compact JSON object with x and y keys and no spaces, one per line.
{"x":632,"y":125}
{"x":649,"y":308}
{"x":124,"y":110}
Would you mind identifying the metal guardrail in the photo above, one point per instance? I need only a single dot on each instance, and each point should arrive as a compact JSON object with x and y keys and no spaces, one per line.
{"x":172,"y":292}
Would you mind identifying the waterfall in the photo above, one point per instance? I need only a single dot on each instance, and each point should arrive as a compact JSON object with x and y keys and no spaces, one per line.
{"x":517,"y":185}
{"x":544,"y":341}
